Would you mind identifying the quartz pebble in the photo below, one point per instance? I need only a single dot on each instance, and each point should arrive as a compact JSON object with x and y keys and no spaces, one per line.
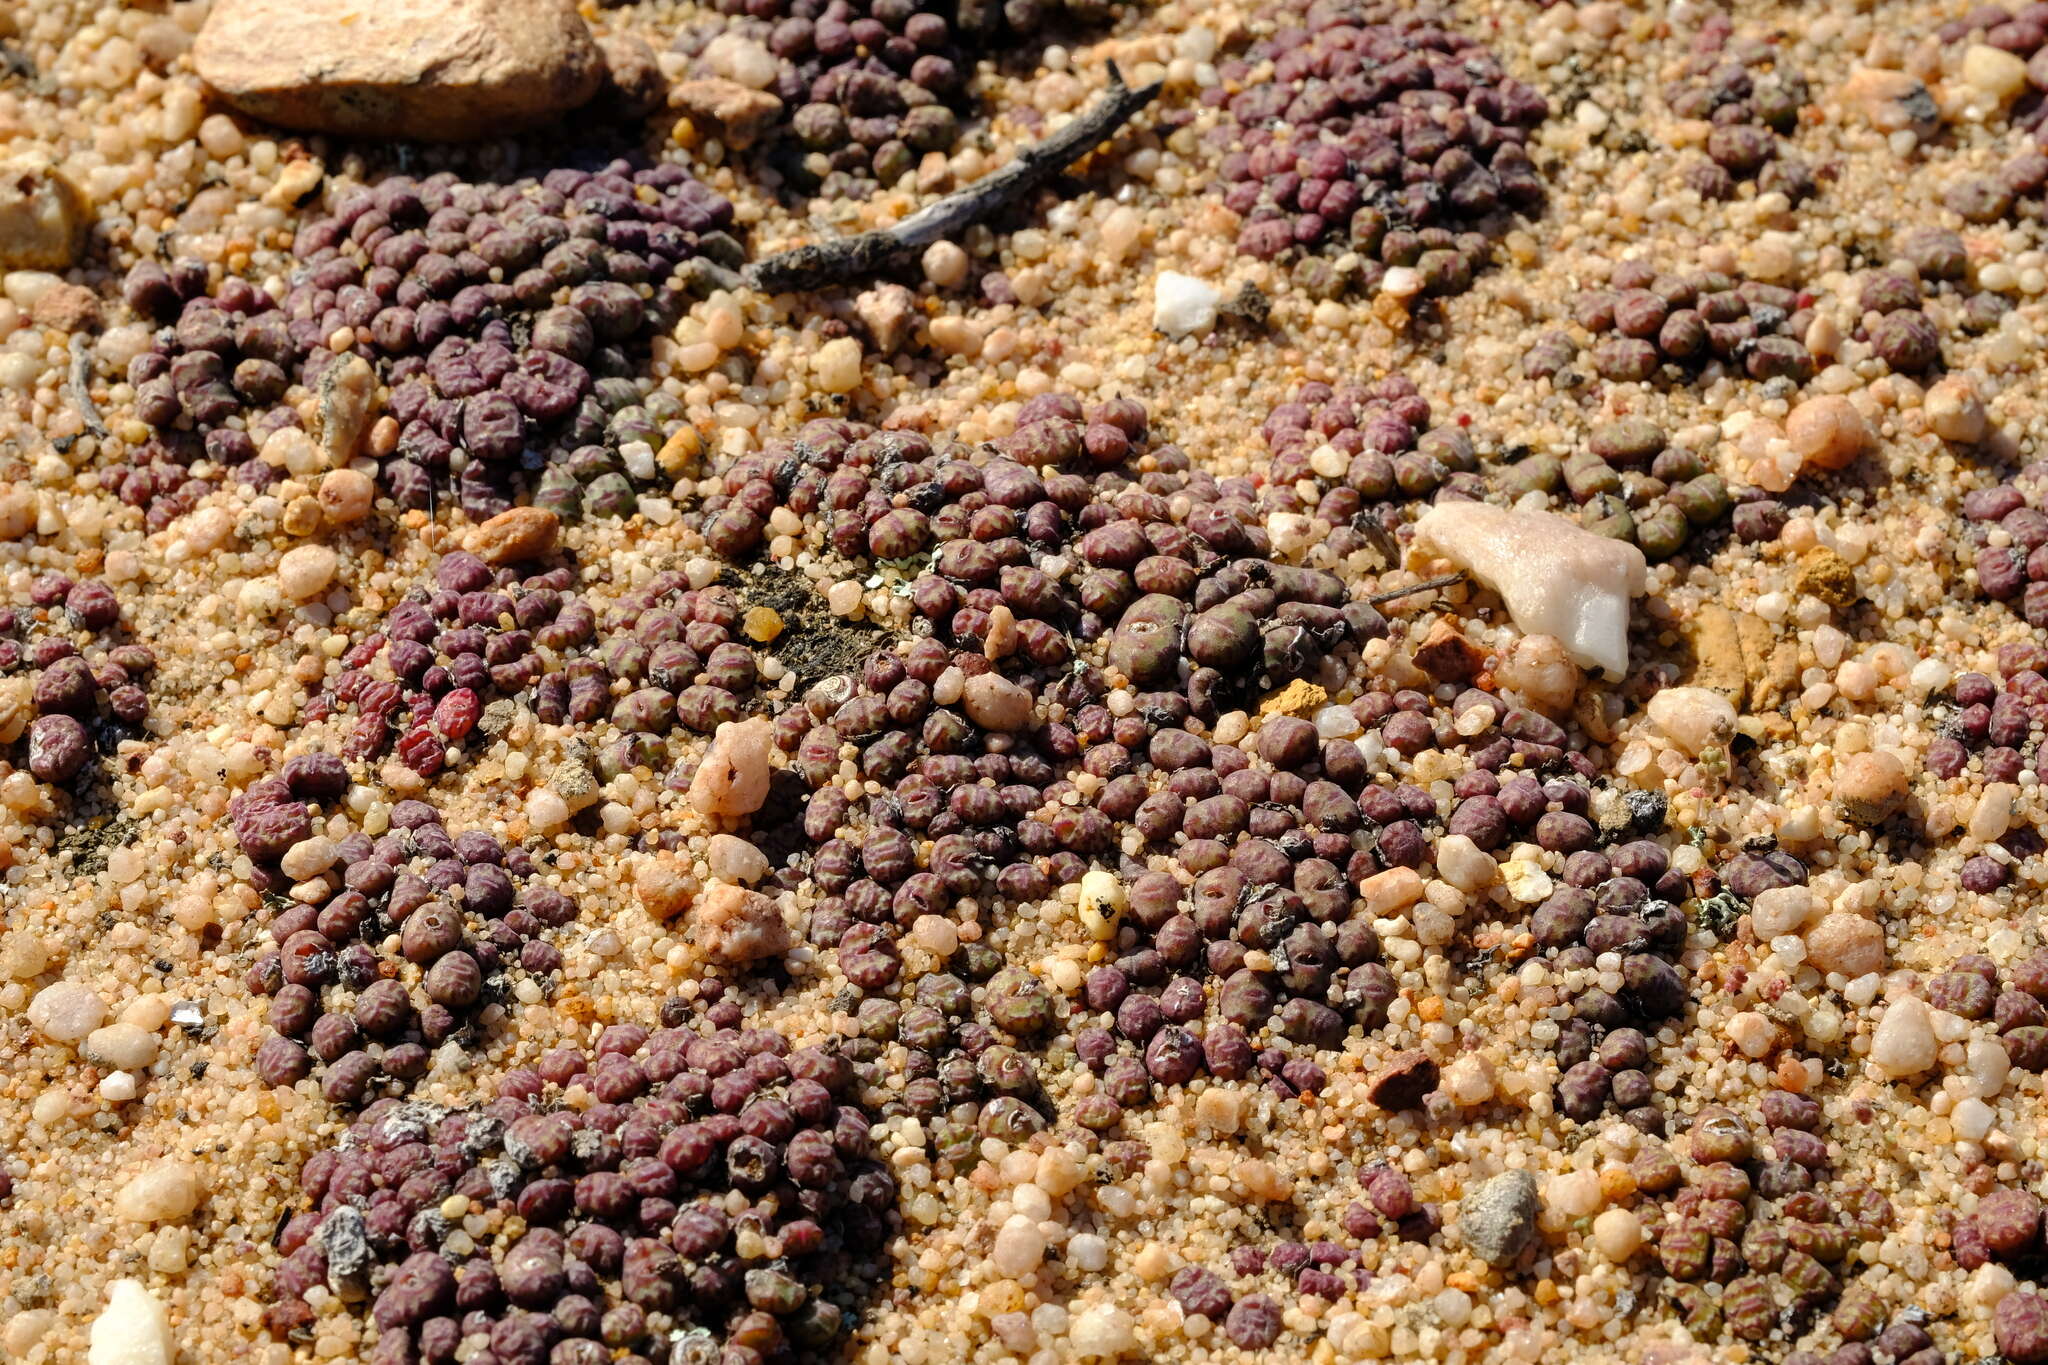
{"x":1183,"y":305}
{"x":733,"y":779}
{"x":515,"y":536}
{"x":66,"y":1012}
{"x":160,"y":1194}
{"x":44,"y":216}
{"x":121,"y":1045}
{"x":737,"y":925}
{"x":1904,"y":1043}
{"x":733,"y":859}
{"x":995,"y":703}
{"x":836,"y":365}
{"x":1846,"y":943}
{"x":1870,"y":788}
{"x":434,"y":69}
{"x":1019,"y":1247}
{"x":304,"y":572}
{"x":1828,"y":432}
{"x":1693,"y":718}
{"x":1618,"y":1233}
{"x":1556,"y":578}
{"x":131,"y":1329}
{"x":1103,"y":1332}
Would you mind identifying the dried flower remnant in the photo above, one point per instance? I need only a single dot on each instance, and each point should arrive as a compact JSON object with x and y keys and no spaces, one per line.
{"x":814,"y":265}
{"x":1382,"y":132}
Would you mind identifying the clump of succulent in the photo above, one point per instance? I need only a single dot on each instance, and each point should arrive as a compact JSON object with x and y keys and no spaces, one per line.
{"x":1989,"y":733}
{"x":1380,"y":135}
{"x":2010,"y":531}
{"x":1741,"y":85}
{"x":1649,"y":324}
{"x":1941,"y":260}
{"x":864,"y":89}
{"x":1075,"y":558}
{"x":1629,"y":483}
{"x":1903,"y":336}
{"x":974,"y":1068}
{"x":1612,"y":931}
{"x":719,"y":1200}
{"x":662,"y":657}
{"x":1755,"y":1233}
{"x":1368,"y":448}
{"x":467,"y":916}
{"x":1327,"y":1268}
{"x":492,"y":312}
{"x":1867,"y":1337}
{"x":66,"y":696}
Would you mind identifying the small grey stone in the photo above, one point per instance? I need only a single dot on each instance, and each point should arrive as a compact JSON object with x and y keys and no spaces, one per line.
{"x":1498,"y":1219}
{"x":347,"y":1246}
{"x":572,"y":782}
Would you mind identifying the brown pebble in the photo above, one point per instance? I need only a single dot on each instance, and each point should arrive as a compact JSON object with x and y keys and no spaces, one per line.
{"x":1870,"y":788}
{"x":1403,"y":1082}
{"x":515,"y":536}
{"x":68,"y":308}
{"x":1826,"y":575}
{"x":1448,"y":656}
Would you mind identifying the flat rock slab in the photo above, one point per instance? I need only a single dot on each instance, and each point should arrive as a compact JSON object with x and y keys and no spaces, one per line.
{"x":433,"y":70}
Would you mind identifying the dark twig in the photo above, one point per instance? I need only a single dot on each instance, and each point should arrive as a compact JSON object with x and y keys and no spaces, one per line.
{"x":1426,"y":585}
{"x":822,"y":263}
{"x":77,"y":387}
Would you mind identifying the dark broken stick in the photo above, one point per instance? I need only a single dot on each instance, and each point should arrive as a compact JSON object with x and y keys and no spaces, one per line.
{"x":1426,"y":585}
{"x":79,"y":386}
{"x":822,"y":263}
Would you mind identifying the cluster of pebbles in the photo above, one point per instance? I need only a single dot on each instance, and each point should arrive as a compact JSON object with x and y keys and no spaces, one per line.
{"x":495,"y":313}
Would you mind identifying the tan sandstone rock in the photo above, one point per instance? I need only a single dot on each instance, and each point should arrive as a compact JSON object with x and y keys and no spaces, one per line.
{"x":436,"y":70}
{"x":43,"y":216}
{"x":744,"y":114}
{"x":734,"y":924}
